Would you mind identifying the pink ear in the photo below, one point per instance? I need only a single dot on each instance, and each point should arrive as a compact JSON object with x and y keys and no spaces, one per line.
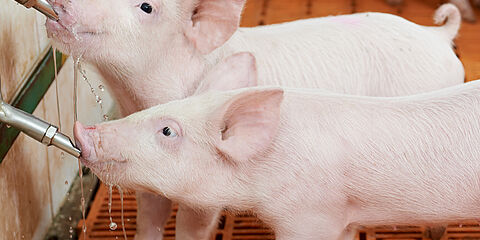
{"x":236,"y":71}
{"x":213,"y":23}
{"x":251,"y":121}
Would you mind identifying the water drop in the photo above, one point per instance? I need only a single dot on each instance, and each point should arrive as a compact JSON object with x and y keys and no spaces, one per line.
{"x":101,"y":87}
{"x":66,"y":182}
{"x":71,"y":230}
{"x":71,"y":236}
{"x":84,"y":228}
{"x":128,"y":219}
{"x":113,"y":226}
{"x":98,"y":99}
{"x":70,"y":218}
{"x":62,"y":154}
{"x":8,"y":126}
{"x":105,"y":117}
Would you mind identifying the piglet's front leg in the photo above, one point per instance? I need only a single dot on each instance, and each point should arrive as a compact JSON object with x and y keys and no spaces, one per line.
{"x":195,"y":224}
{"x":152,"y":214}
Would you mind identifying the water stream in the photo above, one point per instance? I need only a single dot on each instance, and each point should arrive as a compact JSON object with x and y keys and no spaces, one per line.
{"x":98,"y":99}
{"x":120,"y":191}
{"x":78,"y":70}
{"x":112,"y":225}
{"x":56,"y":88}
{"x":75,"y":118}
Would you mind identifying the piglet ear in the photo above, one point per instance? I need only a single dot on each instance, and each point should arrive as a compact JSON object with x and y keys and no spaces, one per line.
{"x":250,"y":122}
{"x":236,"y":71}
{"x":213,"y":23}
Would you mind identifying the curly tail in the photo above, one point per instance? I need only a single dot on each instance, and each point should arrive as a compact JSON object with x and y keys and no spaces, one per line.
{"x":449,"y":13}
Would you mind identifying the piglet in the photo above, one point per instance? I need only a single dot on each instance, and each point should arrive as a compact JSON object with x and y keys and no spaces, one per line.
{"x":150,"y":52}
{"x":311,"y":164}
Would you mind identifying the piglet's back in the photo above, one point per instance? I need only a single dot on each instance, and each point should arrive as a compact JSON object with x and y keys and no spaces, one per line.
{"x":395,"y":153}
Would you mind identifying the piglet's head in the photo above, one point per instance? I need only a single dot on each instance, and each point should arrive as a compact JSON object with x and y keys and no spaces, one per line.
{"x":136,"y":31}
{"x":186,"y":150}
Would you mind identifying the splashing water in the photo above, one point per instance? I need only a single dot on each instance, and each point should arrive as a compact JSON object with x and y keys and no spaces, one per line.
{"x":98,"y":99}
{"x":79,"y":70}
{"x":75,"y":85}
{"x":112,"y":224}
{"x":62,"y":154}
{"x":82,"y":200}
{"x":121,"y":211}
{"x":75,"y":118}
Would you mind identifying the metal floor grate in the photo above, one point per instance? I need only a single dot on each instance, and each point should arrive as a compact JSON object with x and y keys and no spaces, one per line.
{"x":469,"y":231}
{"x":239,"y":227}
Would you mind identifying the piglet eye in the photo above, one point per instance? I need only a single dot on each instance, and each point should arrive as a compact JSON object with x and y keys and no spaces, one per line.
{"x":169,"y":132}
{"x":146,"y":8}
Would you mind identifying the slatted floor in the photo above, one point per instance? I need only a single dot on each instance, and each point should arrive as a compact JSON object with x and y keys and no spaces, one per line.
{"x":261,"y":12}
{"x":239,"y":227}
{"x":455,"y":231}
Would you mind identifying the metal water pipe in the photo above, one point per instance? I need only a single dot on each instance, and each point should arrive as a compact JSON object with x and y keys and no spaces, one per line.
{"x":36,"y":128}
{"x":42,"y":6}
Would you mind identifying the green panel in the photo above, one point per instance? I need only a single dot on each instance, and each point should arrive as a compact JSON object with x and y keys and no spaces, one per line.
{"x":30,"y":96}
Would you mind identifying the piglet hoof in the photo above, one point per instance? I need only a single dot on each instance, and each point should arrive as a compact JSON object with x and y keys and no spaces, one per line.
{"x":435,"y":232}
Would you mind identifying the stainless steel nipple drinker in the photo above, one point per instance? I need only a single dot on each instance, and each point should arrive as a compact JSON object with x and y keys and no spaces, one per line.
{"x":36,"y":128}
{"x":42,"y":6}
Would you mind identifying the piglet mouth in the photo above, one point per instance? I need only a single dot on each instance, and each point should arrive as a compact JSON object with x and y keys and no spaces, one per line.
{"x":90,"y":33}
{"x":84,"y":140}
{"x":68,"y":27}
{"x":58,"y":27}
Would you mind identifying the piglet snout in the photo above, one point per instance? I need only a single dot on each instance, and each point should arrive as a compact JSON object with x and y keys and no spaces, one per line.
{"x":84,"y":141}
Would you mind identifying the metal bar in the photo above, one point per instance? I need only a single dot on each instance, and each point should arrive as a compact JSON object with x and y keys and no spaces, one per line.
{"x":29,"y":97}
